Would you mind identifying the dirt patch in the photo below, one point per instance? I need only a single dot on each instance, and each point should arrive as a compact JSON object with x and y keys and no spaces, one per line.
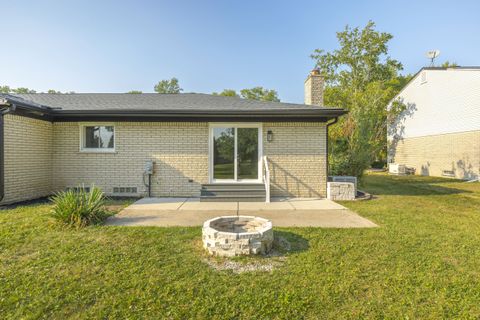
{"x":241,"y":267}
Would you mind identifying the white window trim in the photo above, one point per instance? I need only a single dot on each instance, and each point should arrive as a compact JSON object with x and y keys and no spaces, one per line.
{"x":97,"y":150}
{"x":213,"y":125}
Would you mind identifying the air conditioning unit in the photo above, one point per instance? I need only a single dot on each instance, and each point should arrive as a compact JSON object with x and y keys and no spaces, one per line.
{"x":448,"y":173}
{"x":395,"y":168}
{"x":345,"y":179}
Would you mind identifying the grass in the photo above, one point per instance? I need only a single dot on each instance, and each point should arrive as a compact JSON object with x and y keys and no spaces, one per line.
{"x":423,"y":262}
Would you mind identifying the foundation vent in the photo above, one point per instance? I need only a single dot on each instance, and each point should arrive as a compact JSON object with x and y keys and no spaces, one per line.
{"x":125,"y":190}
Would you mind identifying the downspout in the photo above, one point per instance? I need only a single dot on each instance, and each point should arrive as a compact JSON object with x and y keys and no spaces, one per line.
{"x":335,"y":120}
{"x":3,"y":112}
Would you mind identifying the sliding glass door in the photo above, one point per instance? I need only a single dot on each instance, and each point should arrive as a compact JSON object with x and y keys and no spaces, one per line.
{"x":224,"y":153}
{"x":235,"y":153}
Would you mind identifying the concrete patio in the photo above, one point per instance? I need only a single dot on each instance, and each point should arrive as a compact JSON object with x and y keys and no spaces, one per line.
{"x":283,"y":212}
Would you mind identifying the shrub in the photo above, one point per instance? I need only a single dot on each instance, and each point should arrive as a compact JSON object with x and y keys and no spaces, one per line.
{"x":79,"y":208}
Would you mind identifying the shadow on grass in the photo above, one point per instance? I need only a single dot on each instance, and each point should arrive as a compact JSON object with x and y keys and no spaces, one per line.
{"x":288,"y":242}
{"x":409,"y":185}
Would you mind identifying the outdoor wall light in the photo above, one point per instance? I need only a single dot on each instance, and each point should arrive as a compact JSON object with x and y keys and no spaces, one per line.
{"x":269,"y":135}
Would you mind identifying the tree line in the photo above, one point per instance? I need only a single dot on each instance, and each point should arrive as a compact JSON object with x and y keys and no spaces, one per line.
{"x":171,"y":86}
{"x":23,"y":90}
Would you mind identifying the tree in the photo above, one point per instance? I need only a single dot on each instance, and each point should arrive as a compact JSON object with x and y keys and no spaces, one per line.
{"x":259,"y":93}
{"x":8,"y":89}
{"x":448,"y":64}
{"x":5,"y":89}
{"x":23,"y":90}
{"x":256,"y":93}
{"x":135,"y":92}
{"x":226,"y":93}
{"x":168,"y":86}
{"x":362,"y":78}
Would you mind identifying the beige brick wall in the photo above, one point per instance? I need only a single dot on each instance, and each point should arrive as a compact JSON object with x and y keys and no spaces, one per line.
{"x":430,"y":155}
{"x":180,"y":152}
{"x":28,"y":158}
{"x":42,"y":157}
{"x":297,"y":158}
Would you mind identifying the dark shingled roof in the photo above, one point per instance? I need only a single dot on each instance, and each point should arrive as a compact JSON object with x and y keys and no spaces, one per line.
{"x":155,"y":101}
{"x":159,"y":107}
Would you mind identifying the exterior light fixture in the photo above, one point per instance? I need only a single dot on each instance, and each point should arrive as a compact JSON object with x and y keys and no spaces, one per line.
{"x":269,"y":135}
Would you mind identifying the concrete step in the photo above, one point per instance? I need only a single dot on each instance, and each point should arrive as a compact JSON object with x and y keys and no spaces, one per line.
{"x":226,"y":192}
{"x":234,"y":186}
{"x":214,"y":192}
{"x":232,"y":198}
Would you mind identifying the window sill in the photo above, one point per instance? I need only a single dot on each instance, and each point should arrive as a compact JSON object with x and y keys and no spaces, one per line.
{"x":97,"y":151}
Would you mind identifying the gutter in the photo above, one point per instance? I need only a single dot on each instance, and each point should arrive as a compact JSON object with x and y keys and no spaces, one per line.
{"x":301,"y":115}
{"x":335,"y":120}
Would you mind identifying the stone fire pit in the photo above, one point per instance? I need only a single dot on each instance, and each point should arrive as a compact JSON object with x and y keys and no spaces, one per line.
{"x":230,"y":236}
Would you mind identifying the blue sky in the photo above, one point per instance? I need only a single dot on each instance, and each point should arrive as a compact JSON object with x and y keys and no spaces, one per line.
{"x":117,"y":46}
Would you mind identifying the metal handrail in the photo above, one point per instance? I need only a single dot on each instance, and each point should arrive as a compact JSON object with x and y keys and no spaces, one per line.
{"x":266,"y":179}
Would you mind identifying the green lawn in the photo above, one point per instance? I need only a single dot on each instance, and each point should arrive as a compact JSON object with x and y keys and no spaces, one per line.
{"x":422,"y":263}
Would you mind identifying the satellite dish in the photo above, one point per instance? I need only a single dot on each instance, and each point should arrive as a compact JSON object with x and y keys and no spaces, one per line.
{"x":432,"y":54}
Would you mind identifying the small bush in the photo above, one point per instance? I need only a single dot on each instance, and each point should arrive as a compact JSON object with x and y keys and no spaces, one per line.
{"x":79,"y":208}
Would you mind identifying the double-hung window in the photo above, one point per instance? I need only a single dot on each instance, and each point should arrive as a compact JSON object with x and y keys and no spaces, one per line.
{"x":98,"y":138}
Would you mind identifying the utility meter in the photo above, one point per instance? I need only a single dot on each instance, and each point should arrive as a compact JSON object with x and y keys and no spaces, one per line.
{"x":148,"y":169}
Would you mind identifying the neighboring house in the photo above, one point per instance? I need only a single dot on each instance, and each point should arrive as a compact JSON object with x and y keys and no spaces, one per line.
{"x":200,"y":145}
{"x":439,"y":133}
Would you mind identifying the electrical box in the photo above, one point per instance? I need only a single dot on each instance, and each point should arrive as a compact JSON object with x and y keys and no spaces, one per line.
{"x":148,"y":169}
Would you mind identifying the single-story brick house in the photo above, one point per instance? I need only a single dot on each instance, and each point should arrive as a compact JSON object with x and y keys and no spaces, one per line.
{"x":198,"y":144}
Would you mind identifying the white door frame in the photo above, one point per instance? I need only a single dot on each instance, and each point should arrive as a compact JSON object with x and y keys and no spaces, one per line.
{"x":235,"y":125}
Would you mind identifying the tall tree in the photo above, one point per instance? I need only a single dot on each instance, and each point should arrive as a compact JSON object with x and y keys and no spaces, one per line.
{"x":168,"y":86}
{"x":362,"y":78}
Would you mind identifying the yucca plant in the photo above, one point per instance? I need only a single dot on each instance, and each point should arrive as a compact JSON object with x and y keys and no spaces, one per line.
{"x":79,"y":208}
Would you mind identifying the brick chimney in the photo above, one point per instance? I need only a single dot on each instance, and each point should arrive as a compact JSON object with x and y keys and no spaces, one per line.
{"x":314,"y":88}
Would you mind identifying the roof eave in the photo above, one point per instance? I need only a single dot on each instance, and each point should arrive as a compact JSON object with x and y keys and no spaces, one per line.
{"x":314,"y":115}
{"x":197,"y":115}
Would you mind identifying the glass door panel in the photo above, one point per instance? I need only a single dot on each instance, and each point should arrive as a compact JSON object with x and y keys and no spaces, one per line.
{"x":247,"y":153}
{"x":224,"y":153}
